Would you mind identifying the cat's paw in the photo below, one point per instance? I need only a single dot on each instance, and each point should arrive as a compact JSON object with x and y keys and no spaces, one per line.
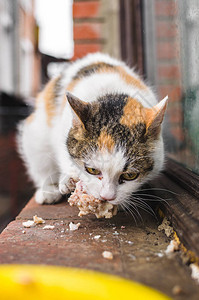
{"x":63,"y":189}
{"x":66,"y":186}
{"x":47,"y":197}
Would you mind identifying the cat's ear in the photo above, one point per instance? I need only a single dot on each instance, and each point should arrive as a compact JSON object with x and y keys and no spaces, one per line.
{"x":154,"y":116}
{"x":79,"y":107}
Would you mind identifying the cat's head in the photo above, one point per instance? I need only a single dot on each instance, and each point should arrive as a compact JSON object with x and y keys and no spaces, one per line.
{"x":116,"y":143}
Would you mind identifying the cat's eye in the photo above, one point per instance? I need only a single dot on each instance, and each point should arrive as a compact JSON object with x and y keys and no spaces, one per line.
{"x":92,"y":171}
{"x":129,"y":176}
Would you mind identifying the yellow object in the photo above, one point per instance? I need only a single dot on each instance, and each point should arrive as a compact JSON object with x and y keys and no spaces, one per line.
{"x":27,"y":282}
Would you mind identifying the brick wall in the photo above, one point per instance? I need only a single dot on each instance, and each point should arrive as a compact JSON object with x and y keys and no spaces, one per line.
{"x":87,"y":27}
{"x":169,"y":73}
{"x":92,"y":28}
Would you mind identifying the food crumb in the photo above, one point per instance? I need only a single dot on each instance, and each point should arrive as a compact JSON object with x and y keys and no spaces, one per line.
{"x":166,"y":227}
{"x":115,"y":233}
{"x":23,"y":231}
{"x":73,"y":226}
{"x":123,"y":227}
{"x":133,"y":257}
{"x":172,"y":247}
{"x":49,"y":227}
{"x":88,"y":204}
{"x":147,"y":258}
{"x":28,"y":224}
{"x":107,"y":255}
{"x":104,"y":241}
{"x":195,"y":272}
{"x":159,"y":254}
{"x":96,"y":237}
{"x":176,"y":290}
{"x":38,"y":220}
{"x":130,"y":242}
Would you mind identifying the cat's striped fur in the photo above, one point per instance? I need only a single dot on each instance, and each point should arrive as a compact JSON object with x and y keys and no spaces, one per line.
{"x":97,"y":114}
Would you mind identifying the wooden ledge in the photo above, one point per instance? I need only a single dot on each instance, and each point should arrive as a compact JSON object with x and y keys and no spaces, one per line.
{"x":138,"y":250}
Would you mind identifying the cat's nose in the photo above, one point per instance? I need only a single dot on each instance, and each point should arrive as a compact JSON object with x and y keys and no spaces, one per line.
{"x":108,"y":192}
{"x":107,"y":195}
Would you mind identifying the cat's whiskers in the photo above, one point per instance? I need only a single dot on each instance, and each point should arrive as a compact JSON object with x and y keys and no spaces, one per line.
{"x":126,"y":209}
{"x":133,"y":209}
{"x":144,"y":206}
{"x":157,"y":198}
{"x":141,"y":202}
{"x":157,"y":189}
{"x":139,"y":206}
{"x":133,"y":205}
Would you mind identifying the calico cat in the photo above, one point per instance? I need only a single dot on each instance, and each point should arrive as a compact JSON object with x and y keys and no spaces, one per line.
{"x":98,"y":122}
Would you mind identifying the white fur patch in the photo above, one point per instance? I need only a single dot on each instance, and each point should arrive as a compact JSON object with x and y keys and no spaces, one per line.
{"x":111,"y":166}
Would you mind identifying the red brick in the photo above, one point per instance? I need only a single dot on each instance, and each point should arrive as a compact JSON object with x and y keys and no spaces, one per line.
{"x":87,"y":31}
{"x":87,"y":9}
{"x":167,"y":50}
{"x":174,"y":92}
{"x":83,"y":49}
{"x":165,"y":8}
{"x":166,"y":29}
{"x":169,"y":71}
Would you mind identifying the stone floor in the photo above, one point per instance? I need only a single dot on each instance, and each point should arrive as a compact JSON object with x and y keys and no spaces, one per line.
{"x":138,"y":250}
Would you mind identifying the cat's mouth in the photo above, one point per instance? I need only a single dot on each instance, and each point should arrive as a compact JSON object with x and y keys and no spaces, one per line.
{"x":83,"y":188}
{"x":90,"y":205}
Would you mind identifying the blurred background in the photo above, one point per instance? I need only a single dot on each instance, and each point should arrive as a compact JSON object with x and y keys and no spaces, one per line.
{"x":160,"y":38}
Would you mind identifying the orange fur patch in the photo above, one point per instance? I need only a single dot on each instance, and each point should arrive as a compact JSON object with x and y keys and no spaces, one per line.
{"x":102,"y":68}
{"x":132,"y":114}
{"x":105,"y":141}
{"x":129,"y":79}
{"x":30,"y":118}
{"x":72,"y":84}
{"x":107,"y":69}
{"x":150,"y":114}
{"x":48,"y":96}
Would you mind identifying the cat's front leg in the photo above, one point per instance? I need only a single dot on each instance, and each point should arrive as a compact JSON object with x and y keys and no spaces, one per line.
{"x":48,"y":192}
{"x":49,"y":196}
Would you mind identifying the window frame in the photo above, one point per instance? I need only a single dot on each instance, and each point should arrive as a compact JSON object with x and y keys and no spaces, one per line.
{"x":131,"y":37}
{"x":182,"y":191}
